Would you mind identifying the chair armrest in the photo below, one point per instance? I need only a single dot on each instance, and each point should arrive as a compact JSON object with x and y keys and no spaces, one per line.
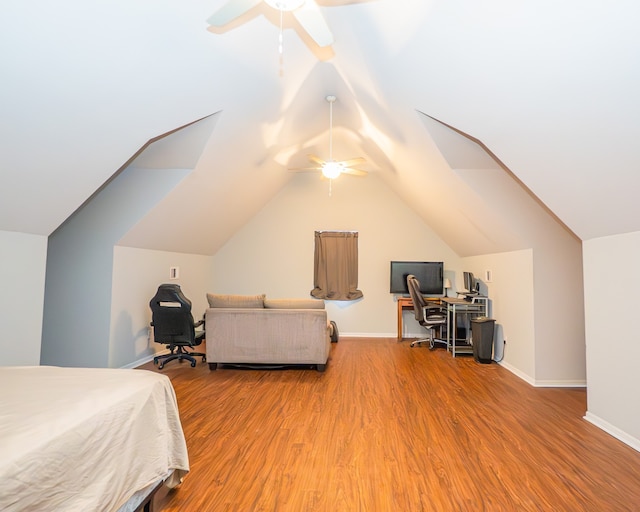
{"x":198,"y":323}
{"x":434,"y":313}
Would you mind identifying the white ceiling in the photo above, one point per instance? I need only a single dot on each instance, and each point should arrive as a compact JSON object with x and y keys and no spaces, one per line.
{"x":551,"y":88}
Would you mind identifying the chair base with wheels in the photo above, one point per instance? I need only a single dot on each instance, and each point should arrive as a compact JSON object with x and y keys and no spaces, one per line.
{"x":180,"y":354}
{"x":431,"y":340}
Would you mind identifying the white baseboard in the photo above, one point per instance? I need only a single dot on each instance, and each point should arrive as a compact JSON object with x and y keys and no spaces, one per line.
{"x":518,"y":373}
{"x":612,"y":430}
{"x":145,"y":359}
{"x":368,"y":335}
{"x":561,"y":384}
{"x":406,"y":335}
{"x":544,"y":383}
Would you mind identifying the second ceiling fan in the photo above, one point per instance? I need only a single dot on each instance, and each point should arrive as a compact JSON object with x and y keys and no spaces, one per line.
{"x":331,"y":168}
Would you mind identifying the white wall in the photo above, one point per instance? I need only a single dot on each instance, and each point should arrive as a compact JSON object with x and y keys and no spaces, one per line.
{"x":611,"y":276}
{"x":538,"y":309}
{"x":511,"y":305}
{"x":558,"y":314}
{"x":273,"y":253}
{"x":23,"y":260}
{"x":136,"y":276}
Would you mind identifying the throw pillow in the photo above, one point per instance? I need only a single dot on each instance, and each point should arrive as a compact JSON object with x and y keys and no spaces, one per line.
{"x":293,"y":304}
{"x":235,"y":301}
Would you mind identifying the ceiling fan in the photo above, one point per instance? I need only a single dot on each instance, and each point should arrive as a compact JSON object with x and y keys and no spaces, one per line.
{"x":331,"y":168}
{"x":306,"y":12}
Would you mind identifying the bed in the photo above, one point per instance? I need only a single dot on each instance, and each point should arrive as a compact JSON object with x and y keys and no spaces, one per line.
{"x":86,"y":439}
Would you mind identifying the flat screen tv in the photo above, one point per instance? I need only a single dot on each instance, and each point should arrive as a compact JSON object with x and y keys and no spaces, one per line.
{"x":430,"y":274}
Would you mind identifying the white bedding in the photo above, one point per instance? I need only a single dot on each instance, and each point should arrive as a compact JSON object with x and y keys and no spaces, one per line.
{"x":85,"y":439}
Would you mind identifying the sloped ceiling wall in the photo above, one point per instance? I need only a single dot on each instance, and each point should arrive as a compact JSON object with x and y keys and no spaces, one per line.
{"x":550,"y":87}
{"x":79,"y":275}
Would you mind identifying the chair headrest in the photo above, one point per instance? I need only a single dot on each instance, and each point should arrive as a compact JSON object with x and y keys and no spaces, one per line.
{"x":170,"y":295}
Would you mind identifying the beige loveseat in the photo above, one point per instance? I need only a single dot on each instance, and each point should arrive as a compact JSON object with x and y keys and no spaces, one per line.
{"x":251,"y":329}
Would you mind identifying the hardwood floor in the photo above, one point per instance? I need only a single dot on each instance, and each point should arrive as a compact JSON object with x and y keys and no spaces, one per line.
{"x":392,"y":428}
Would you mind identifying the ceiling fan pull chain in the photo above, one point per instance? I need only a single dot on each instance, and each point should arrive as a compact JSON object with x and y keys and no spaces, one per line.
{"x":331,"y":130}
{"x":280,"y":38}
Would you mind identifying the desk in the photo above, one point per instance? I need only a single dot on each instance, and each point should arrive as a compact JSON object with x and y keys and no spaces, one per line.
{"x":403,"y":303}
{"x":407,"y":303}
{"x":455,"y":306}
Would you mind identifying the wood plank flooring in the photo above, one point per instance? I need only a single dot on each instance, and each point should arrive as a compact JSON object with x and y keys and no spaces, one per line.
{"x":392,"y":428}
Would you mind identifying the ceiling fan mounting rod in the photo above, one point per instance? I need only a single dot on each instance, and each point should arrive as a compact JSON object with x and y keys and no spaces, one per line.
{"x":331,"y":99}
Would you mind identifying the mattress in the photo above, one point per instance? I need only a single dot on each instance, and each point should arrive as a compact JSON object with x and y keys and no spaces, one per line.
{"x":85,"y":439}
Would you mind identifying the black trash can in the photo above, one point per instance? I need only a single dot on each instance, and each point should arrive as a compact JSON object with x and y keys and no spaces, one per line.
{"x":482,"y":336}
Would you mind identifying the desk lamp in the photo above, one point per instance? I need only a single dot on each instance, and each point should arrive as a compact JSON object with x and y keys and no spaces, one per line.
{"x":447,"y":285}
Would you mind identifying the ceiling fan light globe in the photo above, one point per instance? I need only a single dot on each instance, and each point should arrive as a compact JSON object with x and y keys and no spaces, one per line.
{"x":285,"y":5}
{"x":331,"y":170}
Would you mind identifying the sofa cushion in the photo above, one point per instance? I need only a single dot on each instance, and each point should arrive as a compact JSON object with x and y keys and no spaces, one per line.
{"x":235,"y":301}
{"x":293,"y":304}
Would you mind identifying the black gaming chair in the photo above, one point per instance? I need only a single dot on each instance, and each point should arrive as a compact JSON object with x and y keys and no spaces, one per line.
{"x":430,"y":316}
{"x":173,"y":325}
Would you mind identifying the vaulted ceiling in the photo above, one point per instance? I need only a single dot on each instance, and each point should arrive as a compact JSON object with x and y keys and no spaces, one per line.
{"x":427,"y":90}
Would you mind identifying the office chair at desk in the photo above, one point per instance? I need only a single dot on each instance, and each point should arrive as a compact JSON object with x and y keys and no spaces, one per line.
{"x":430,"y":316}
{"x":173,"y":325}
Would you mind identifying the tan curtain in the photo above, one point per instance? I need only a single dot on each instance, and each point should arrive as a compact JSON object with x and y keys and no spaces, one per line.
{"x":335,"y":275}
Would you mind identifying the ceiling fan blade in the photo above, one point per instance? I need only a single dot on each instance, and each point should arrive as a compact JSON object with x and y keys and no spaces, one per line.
{"x":354,"y":172}
{"x":305,"y":169}
{"x":311,"y":19}
{"x":353,"y":161}
{"x":316,"y":159}
{"x":230,"y":11}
